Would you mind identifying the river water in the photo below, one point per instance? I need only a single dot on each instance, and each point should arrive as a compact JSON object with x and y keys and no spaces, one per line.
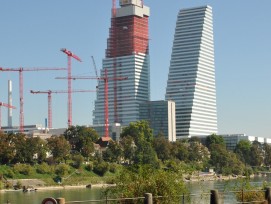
{"x":201,"y":190}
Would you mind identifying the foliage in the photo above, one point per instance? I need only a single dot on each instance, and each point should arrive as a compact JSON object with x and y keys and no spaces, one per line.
{"x":100,"y":168}
{"x":247,"y":192}
{"x":43,"y":168}
{"x":89,"y":167}
{"x":214,"y":139}
{"x":257,"y":154}
{"x":62,"y":169}
{"x":162,"y":148}
{"x":78,"y":160}
{"x":24,"y":169}
{"x":113,"y":168}
{"x":81,"y":139}
{"x":59,"y":147}
{"x":139,"y":131}
{"x":142,"y":137}
{"x":7,"y":148}
{"x":243,"y":150}
{"x":113,"y":152}
{"x":134,"y":182}
{"x":224,"y":161}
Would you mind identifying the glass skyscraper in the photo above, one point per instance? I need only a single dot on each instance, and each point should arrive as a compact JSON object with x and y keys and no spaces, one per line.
{"x":191,"y":78}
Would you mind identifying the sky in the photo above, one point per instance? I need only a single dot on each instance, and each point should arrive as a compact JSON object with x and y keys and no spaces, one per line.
{"x":33,"y":32}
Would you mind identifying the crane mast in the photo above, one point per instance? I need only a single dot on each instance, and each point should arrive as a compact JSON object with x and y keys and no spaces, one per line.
{"x":104,"y":78}
{"x":70,"y":55}
{"x":49,"y":93}
{"x":21,"y":83}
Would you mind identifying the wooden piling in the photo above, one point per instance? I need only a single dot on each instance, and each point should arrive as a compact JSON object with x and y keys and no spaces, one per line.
{"x":214,"y":199}
{"x":268,"y":195}
{"x":148,"y":198}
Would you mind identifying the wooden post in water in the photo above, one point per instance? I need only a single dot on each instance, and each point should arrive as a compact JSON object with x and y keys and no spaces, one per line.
{"x":214,"y":199}
{"x":60,"y":200}
{"x":148,"y":198}
{"x":268,"y":195}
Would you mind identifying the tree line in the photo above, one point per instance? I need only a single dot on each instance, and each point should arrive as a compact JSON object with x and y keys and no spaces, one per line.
{"x":137,"y":146}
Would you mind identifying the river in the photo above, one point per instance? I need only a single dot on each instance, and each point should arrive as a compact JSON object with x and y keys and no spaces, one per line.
{"x":81,"y":194}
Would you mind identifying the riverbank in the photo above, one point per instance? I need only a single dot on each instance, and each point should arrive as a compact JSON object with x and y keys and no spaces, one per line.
{"x":61,"y":187}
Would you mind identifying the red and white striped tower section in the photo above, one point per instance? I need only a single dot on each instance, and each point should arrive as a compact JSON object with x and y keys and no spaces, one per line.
{"x":127,"y":55}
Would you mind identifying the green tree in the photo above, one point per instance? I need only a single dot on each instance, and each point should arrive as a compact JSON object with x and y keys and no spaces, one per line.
{"x":143,"y":138}
{"x":214,"y":139}
{"x":180,"y":150}
{"x":140,"y":131}
{"x":7,"y":148}
{"x":128,"y":146}
{"x":243,"y":151}
{"x":257,"y":154}
{"x":267,"y":156}
{"x":162,"y":148}
{"x":113,"y":152}
{"x":59,"y":148}
{"x":81,"y":139}
{"x":224,"y":161}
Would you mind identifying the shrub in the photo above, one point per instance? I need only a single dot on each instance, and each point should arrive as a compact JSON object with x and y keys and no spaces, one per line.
{"x":43,"y":169}
{"x":62,"y":169}
{"x":89,"y":167}
{"x":18,"y":185}
{"x":113,"y":168}
{"x":77,"y":161}
{"x":24,"y":169}
{"x":9,"y":173}
{"x":100,"y":168}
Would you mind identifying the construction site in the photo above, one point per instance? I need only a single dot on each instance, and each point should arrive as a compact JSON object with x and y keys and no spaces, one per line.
{"x":123,"y":82}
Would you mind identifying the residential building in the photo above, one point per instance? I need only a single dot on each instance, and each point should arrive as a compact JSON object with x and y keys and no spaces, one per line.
{"x":191,"y":78}
{"x":161,"y":117}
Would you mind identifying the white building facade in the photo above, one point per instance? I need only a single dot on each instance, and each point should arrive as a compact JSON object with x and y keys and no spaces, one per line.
{"x":191,"y":78}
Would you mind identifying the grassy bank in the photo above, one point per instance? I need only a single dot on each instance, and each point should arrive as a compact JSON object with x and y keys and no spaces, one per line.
{"x":61,"y":174}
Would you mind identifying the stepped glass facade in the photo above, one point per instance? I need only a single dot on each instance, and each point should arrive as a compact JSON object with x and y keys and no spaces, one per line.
{"x":127,"y":55}
{"x":191,"y":78}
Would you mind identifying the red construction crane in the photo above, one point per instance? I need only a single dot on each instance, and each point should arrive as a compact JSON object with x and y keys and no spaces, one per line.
{"x":21,"y":83}
{"x":5,"y":105}
{"x":70,"y":56}
{"x":105,"y":78}
{"x":49,"y":92}
{"x":114,"y":55}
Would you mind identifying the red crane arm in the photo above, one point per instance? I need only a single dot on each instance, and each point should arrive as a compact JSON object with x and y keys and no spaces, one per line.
{"x":6,"y":105}
{"x":59,"y":91}
{"x":30,"y":69}
{"x":98,"y":78}
{"x":69,"y":53}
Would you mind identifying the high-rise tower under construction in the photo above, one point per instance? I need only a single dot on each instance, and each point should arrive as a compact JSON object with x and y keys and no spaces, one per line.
{"x":127,"y":55}
{"x":191,"y":78}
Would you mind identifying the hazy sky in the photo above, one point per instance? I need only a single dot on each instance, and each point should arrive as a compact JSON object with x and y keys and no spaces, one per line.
{"x":33,"y":32}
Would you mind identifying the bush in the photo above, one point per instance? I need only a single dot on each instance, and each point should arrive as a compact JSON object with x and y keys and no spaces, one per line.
{"x":9,"y":174}
{"x":24,"y":169}
{"x":113,"y":168}
{"x":62,"y":169}
{"x":18,"y":185}
{"x":77,"y":161}
{"x":43,"y":169}
{"x":89,"y":167}
{"x":133,"y":182}
{"x":100,"y":168}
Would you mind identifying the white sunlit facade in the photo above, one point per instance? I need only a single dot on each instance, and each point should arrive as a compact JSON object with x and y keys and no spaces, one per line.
{"x":191,"y":78}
